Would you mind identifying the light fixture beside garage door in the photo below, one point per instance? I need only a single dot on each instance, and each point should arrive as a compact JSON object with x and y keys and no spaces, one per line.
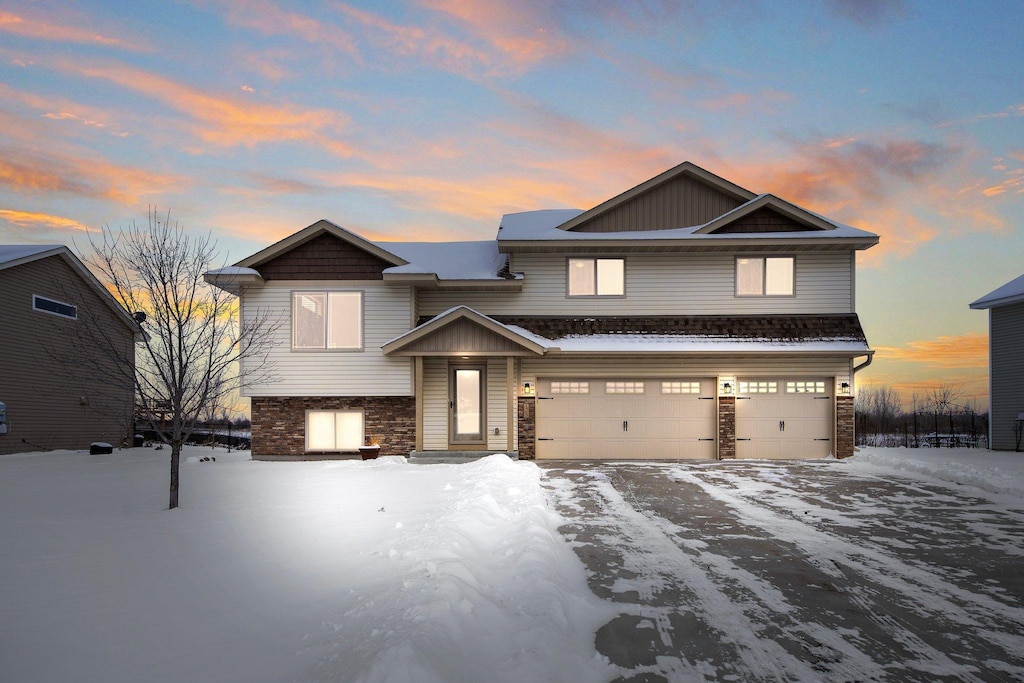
{"x":726,"y":386}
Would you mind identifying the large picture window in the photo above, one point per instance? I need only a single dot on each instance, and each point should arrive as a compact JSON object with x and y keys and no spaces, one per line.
{"x":327,"y":320}
{"x":764,"y":276}
{"x":596,"y":277}
{"x":334,"y":430}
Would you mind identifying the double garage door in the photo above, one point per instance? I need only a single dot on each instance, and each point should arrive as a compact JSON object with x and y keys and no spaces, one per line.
{"x":677,"y":418}
{"x":619,"y":419}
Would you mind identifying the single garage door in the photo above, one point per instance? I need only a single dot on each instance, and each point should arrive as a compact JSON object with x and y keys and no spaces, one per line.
{"x":784,"y":418}
{"x":618,"y":419}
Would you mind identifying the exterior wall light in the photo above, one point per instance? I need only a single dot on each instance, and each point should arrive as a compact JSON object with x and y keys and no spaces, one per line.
{"x":844,"y":388}
{"x":528,"y":389}
{"x":727,"y":388}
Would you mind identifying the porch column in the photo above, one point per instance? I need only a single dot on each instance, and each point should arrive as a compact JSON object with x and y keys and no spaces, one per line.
{"x":844,"y":426}
{"x":726,"y":427}
{"x":510,"y":401}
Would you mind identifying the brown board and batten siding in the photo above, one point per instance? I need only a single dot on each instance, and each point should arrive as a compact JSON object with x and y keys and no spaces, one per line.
{"x":679,"y":203}
{"x":761,"y":221}
{"x":1006,"y":339}
{"x":463,"y":336}
{"x":53,"y":404}
{"x":324,"y":257}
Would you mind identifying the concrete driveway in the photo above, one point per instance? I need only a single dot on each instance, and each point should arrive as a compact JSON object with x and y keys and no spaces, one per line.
{"x":797,"y":571}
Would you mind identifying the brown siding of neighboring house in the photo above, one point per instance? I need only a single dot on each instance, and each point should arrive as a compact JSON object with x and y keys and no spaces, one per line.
{"x":50,"y":403}
{"x":763,"y":220}
{"x":324,"y":257}
{"x":679,"y":203}
{"x":1006,"y":339}
{"x":279,"y":423}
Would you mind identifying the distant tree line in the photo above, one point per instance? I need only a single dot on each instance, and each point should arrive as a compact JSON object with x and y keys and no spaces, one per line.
{"x":939,"y":418}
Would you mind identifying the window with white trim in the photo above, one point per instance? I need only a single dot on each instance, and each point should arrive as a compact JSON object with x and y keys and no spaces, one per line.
{"x":764,"y":276}
{"x":562,"y":387}
{"x":54,"y":307}
{"x":805,"y":387}
{"x":334,"y":430}
{"x":759,"y":387}
{"x":327,"y":320}
{"x":675,"y":387}
{"x":623,"y":387}
{"x":596,"y":277}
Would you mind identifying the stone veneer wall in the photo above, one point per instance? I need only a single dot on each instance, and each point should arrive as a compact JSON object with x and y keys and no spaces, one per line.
{"x":279,"y":422}
{"x":726,"y":427}
{"x":527,"y":407}
{"x":844,"y":426}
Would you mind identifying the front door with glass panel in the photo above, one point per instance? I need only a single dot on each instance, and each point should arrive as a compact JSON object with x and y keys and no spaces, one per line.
{"x":467,"y":405}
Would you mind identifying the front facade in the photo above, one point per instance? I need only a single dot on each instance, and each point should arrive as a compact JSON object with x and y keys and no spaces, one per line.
{"x":56,"y":389}
{"x":1005,"y":307}
{"x":684,"y":318}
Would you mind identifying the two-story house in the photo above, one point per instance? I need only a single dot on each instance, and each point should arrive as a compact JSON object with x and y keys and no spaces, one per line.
{"x":685,"y":318}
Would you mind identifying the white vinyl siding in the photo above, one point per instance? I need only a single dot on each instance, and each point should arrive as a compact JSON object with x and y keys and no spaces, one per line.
{"x":661,"y":284}
{"x":329,"y":373}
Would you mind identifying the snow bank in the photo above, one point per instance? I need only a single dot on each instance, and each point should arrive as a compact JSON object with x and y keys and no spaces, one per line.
{"x":370,"y":571}
{"x":994,"y":471}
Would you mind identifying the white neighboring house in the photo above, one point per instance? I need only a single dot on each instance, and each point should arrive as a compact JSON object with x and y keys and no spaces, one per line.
{"x":684,"y":318}
{"x":1005,"y":307}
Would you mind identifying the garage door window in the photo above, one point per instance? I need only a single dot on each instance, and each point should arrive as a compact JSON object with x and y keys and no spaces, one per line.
{"x":623,"y":387}
{"x":805,"y":387}
{"x":680,"y":387}
{"x":760,"y":387}
{"x":570,"y":387}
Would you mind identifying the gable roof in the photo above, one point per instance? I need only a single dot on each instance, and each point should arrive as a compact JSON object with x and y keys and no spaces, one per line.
{"x":685,"y":170}
{"x":314,"y":230}
{"x":1010,"y":293}
{"x":14,"y":255}
{"x":522,"y":339}
{"x":768,"y":201}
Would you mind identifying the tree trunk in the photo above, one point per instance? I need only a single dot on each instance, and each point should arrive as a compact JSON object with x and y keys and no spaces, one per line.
{"x":175,"y":457}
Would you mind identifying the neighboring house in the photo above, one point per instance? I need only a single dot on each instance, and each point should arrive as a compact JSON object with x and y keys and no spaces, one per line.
{"x":58,"y":391}
{"x":1006,"y":364}
{"x":685,"y":318}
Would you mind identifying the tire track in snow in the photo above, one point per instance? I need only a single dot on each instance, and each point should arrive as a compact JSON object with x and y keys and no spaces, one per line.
{"x":924,"y":592}
{"x":749,"y":624}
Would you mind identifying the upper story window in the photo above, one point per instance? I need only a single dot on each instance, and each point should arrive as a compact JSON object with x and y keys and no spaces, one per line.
{"x":41,"y":303}
{"x":764,"y":276}
{"x":327,"y":320}
{"x":596,"y":277}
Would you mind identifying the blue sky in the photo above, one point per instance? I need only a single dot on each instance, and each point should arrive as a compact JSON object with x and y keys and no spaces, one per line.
{"x":428,"y":120}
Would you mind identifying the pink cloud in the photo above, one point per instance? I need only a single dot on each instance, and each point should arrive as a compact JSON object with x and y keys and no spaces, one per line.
{"x":40,"y":29}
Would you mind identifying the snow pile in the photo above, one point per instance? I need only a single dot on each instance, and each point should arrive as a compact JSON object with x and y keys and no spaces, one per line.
{"x":994,"y":471}
{"x":314,"y":571}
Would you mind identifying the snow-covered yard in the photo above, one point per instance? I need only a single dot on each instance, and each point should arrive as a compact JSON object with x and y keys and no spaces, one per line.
{"x":386,"y":571}
{"x":313,"y":571}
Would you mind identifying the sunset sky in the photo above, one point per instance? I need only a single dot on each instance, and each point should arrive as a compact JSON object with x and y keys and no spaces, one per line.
{"x":429,"y":120}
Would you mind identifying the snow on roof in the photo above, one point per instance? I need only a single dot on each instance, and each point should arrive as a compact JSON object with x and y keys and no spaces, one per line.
{"x":544,"y":225}
{"x":15,"y":252}
{"x":1010,"y":293}
{"x":448,"y":260}
{"x":676,"y":343}
{"x":233,"y":270}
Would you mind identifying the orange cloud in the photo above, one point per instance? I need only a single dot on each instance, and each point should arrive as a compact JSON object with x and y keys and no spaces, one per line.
{"x":270,"y":19}
{"x":963,"y":351}
{"x":522,"y":33}
{"x":30,"y":219}
{"x":29,"y":27}
{"x":86,"y":177}
{"x":225,"y":121}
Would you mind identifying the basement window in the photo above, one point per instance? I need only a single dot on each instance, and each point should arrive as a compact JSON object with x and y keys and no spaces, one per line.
{"x":334,"y":430}
{"x":54,"y":307}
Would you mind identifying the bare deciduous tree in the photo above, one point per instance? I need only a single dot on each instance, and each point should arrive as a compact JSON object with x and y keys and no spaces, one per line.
{"x":193,"y":342}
